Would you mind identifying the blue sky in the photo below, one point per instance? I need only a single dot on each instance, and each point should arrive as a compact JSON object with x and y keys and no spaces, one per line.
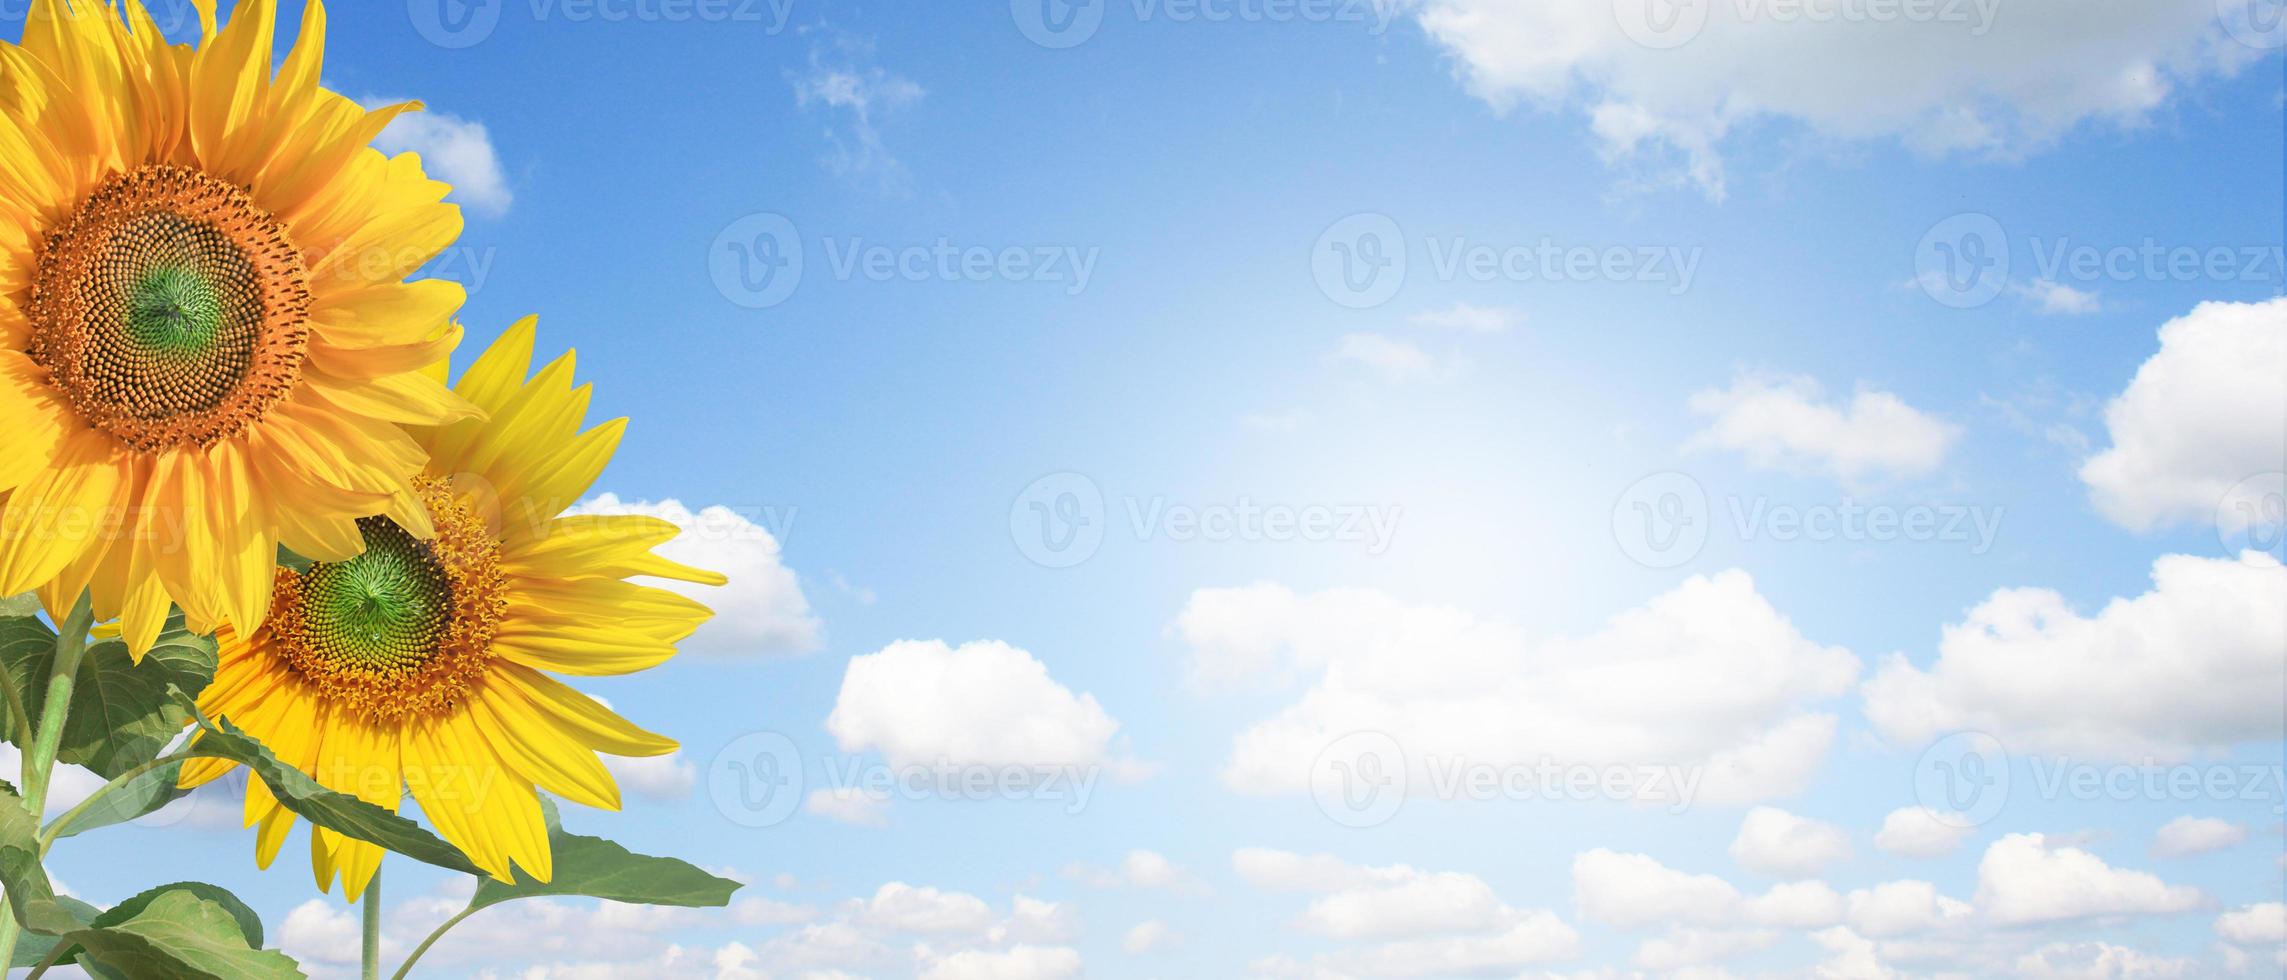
{"x":1697,"y":274}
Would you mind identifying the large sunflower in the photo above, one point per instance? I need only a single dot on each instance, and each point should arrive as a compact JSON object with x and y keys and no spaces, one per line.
{"x":420,"y":663}
{"x":207,"y":342}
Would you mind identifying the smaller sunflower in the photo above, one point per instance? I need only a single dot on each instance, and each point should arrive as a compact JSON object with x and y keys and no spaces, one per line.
{"x":423,"y":661}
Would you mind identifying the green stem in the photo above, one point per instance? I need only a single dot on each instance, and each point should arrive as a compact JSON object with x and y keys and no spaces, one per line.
{"x":40,"y":756}
{"x":53,"y":955}
{"x":372,"y":902}
{"x":434,"y":935}
{"x":55,"y":827}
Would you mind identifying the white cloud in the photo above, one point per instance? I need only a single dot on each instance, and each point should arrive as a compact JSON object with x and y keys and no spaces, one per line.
{"x":848,"y":804}
{"x":2261,"y":924}
{"x":1774,"y":842}
{"x":323,"y":931}
{"x":1900,"y":907}
{"x":1684,"y":948}
{"x":1919,"y":832}
{"x":1466,"y":318}
{"x":2201,"y":416}
{"x":2099,"y":961}
{"x":1014,"y":963}
{"x":1137,"y":869}
{"x":1395,"y":361}
{"x":1630,"y":890}
{"x":1978,"y":80}
{"x":1428,"y":923}
{"x":982,"y":704}
{"x":454,"y":150}
{"x":1785,"y":423}
{"x":1707,"y":679}
{"x":1796,"y":905}
{"x":2053,"y":297}
{"x":762,"y":611}
{"x":2024,"y":878}
{"x":843,"y":82}
{"x":2192,"y":664}
{"x":923,"y":909}
{"x":2189,"y":835}
{"x":661,"y":777}
{"x":1145,"y":937}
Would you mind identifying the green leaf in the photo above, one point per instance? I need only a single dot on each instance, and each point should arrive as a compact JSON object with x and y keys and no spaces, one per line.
{"x":596,"y":868}
{"x":33,"y":947}
{"x":338,"y":812}
{"x":145,"y":794}
{"x":180,"y":933}
{"x":121,"y":716}
{"x":249,"y":924}
{"x":31,"y":899}
{"x":20,"y":605}
{"x":27,"y":646}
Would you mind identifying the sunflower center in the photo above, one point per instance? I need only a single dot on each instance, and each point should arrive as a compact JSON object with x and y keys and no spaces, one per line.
{"x":169,"y":309}
{"x":406,"y":627}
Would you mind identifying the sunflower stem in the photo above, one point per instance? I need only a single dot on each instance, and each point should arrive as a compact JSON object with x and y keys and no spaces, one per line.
{"x":434,"y":934}
{"x":372,"y":903}
{"x":40,"y":756}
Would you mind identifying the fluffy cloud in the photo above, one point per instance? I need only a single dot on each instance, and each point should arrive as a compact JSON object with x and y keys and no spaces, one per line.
{"x":2025,"y":878}
{"x":1394,"y":361}
{"x":1914,"y":831}
{"x":1014,"y":963}
{"x":1900,"y":907}
{"x":1145,"y":937}
{"x":1427,"y":923}
{"x":1632,"y":890}
{"x":762,"y":611}
{"x":986,"y":703}
{"x":454,"y":150}
{"x":1707,"y":678}
{"x":1137,"y":869}
{"x":2098,"y":961}
{"x":2192,"y":664}
{"x":1786,"y":423}
{"x":1969,"y":80}
{"x":661,"y":777}
{"x":1684,"y":948}
{"x":1774,"y":842}
{"x":2261,"y":924}
{"x":2188,"y":835}
{"x":2201,"y":417}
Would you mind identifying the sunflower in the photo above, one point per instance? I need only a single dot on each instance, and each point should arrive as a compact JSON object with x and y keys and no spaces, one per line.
{"x":207,"y":343}
{"x":421,"y":663}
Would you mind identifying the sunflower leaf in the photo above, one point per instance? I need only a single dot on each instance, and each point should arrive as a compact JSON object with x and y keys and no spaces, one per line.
{"x":32,"y":948}
{"x":138,"y":797}
{"x":592,"y":867}
{"x":180,"y":931}
{"x":31,"y":898}
{"x":121,"y":716}
{"x":20,"y":605}
{"x":339,"y":812}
